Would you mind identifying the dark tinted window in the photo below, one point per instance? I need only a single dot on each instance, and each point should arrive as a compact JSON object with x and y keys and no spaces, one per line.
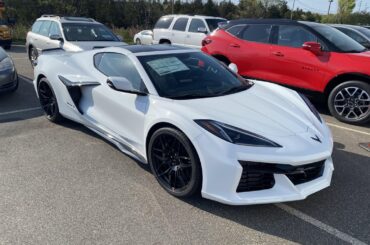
{"x":213,"y":23}
{"x":118,"y":65}
{"x":190,"y":75}
{"x":54,"y":29}
{"x":352,"y":34}
{"x":87,"y":32}
{"x":257,"y":33}
{"x":340,"y":40}
{"x":294,"y":36}
{"x":180,"y":24}
{"x":44,"y":29}
{"x":163,"y":23}
{"x":235,"y":30}
{"x":363,"y":30}
{"x":36,"y":26}
{"x":195,"y":24}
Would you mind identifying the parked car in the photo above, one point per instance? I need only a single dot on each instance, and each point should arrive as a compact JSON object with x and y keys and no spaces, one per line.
{"x":144,"y":37}
{"x":70,"y":33}
{"x":8,"y":73}
{"x":184,"y":30}
{"x":304,"y":55}
{"x":357,"y":33}
{"x":200,"y":126}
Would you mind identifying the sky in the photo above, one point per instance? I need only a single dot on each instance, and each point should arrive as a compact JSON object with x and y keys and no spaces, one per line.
{"x":321,"y":6}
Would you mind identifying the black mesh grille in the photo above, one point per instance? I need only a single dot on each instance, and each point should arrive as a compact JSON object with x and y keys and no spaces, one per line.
{"x":253,"y":179}
{"x":260,"y":176}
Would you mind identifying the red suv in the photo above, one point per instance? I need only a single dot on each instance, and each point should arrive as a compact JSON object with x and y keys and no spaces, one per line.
{"x":304,"y":55}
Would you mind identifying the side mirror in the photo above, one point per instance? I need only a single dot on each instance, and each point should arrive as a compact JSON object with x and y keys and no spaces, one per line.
{"x":56,"y":37}
{"x":120,"y":37}
{"x":122,"y":84}
{"x":313,"y":47}
{"x":234,"y":68}
{"x":202,"y":30}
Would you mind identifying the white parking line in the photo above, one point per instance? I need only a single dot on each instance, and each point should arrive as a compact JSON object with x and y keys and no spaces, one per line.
{"x":19,"y":111}
{"x":327,"y":228}
{"x":349,"y":129}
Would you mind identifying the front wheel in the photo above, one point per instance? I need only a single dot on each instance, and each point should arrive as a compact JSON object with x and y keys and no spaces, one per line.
{"x":174,"y":162}
{"x":48,"y":101}
{"x":350,"y":102}
{"x":33,"y":55}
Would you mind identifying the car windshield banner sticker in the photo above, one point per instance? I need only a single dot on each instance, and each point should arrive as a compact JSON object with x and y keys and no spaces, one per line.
{"x":167,"y":66}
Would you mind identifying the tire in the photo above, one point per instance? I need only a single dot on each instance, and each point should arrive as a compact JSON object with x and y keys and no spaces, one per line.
{"x":166,"y":42}
{"x":33,"y":55}
{"x":16,"y":87}
{"x":174,"y":162}
{"x":138,"y":41}
{"x":349,"y":102}
{"x":48,"y":101}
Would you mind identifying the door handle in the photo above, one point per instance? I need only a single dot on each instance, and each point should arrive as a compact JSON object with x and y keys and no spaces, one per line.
{"x":278,"y":54}
{"x":234,"y":45}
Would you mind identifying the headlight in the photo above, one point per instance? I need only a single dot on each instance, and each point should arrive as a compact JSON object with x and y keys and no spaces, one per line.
{"x":310,"y":105}
{"x":6,"y":64}
{"x":235,"y":135}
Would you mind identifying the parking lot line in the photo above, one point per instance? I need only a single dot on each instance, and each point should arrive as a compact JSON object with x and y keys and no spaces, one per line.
{"x":327,"y":228}
{"x":349,"y":129}
{"x":19,"y":111}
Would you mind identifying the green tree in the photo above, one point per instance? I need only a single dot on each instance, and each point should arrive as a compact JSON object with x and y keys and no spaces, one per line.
{"x":345,"y":8}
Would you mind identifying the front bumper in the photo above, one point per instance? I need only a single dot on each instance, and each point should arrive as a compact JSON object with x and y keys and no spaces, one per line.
{"x":222,"y":170}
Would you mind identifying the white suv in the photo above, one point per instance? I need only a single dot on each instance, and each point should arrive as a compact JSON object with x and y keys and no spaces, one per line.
{"x":184,"y":30}
{"x":70,"y":33}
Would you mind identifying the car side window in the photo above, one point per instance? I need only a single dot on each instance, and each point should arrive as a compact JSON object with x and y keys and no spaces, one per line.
{"x":44,"y":29}
{"x":294,"y":36}
{"x":163,"y":23}
{"x":180,"y":24}
{"x":236,"y":30}
{"x":259,"y":33}
{"x":195,"y":24}
{"x":119,"y":65}
{"x":54,"y":29}
{"x":36,"y":26}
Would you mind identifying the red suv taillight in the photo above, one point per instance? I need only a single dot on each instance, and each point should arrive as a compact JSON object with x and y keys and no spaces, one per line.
{"x":206,"y":41}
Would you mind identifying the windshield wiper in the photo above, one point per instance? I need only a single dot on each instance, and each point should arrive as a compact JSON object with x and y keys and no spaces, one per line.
{"x":235,"y":89}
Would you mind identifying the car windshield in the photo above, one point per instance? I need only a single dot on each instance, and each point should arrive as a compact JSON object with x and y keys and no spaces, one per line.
{"x":339,"y":39}
{"x":213,"y":23}
{"x":363,"y":30}
{"x":87,"y":32}
{"x":191,"y":75}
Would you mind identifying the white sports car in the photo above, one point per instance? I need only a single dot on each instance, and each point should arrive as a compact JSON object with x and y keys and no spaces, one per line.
{"x":200,"y":126}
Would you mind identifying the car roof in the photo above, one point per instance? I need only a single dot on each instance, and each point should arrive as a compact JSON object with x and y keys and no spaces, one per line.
{"x":188,"y":15}
{"x":68,"y":19}
{"x":153,"y":48}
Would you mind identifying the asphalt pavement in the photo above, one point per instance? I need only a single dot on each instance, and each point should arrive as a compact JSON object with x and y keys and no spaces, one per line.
{"x":62,"y":184}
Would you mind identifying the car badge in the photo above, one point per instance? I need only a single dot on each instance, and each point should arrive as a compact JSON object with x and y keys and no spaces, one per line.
{"x":316,"y":138}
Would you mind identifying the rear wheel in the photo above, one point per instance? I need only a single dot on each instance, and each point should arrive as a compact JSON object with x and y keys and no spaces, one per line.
{"x":350,"y":102}
{"x":165,"y":42}
{"x":174,"y":162}
{"x":48,"y":101}
{"x":33,"y":55}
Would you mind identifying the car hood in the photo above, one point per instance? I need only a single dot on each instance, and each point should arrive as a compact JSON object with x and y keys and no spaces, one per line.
{"x":265,"y":109}
{"x":365,"y":55}
{"x":79,"y":46}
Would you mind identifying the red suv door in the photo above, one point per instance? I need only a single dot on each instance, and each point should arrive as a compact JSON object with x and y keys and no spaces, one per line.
{"x":250,"y":49}
{"x":293,"y":65}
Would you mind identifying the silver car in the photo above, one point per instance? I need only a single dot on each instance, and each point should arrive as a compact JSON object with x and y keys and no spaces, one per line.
{"x":8,"y":74}
{"x":358,"y":33}
{"x":70,"y":33}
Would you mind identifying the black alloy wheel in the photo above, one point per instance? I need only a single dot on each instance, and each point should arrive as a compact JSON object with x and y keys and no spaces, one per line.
{"x":48,"y":101}
{"x":174,"y":162}
{"x":350,"y":102}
